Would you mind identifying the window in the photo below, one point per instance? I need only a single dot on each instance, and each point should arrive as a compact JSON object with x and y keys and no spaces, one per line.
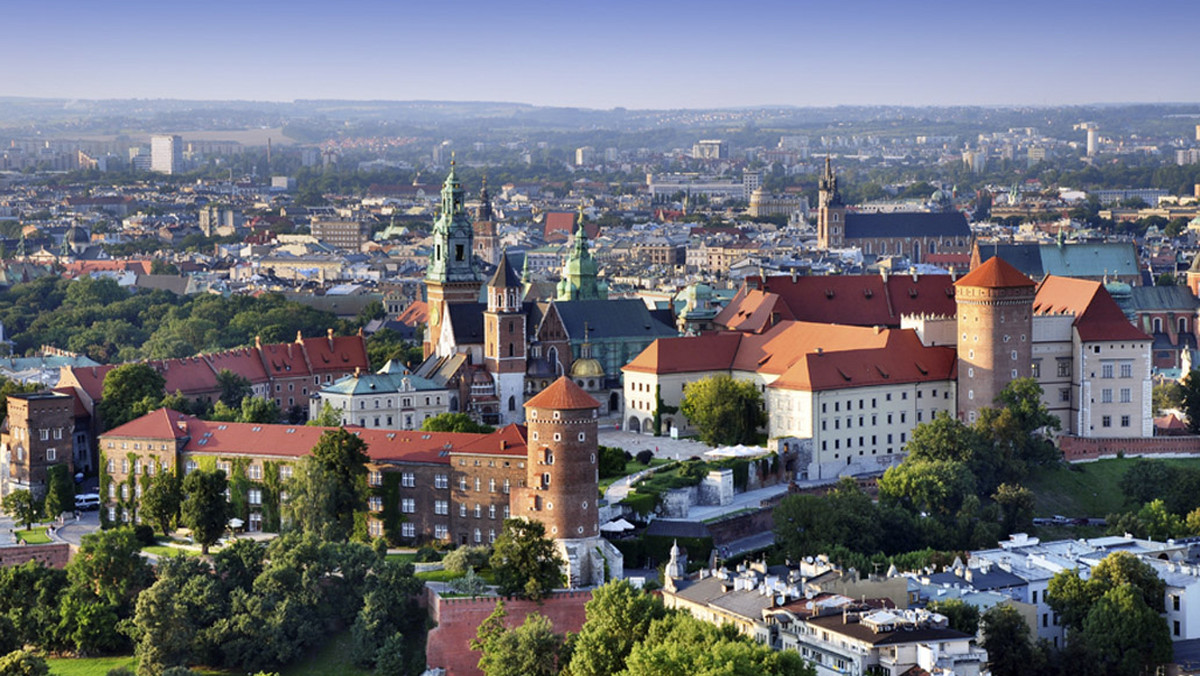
{"x":285,"y":472}
{"x":408,"y":529}
{"x":1106,"y":370}
{"x":491,"y":511}
{"x":546,"y":480}
{"x":108,"y":466}
{"x":1064,"y":368}
{"x":254,"y":472}
{"x":408,"y":480}
{"x":44,"y":435}
{"x":1037,"y":368}
{"x":441,"y":507}
{"x":1127,"y":370}
{"x":505,"y":510}
{"x":374,"y":528}
{"x":1175,"y":603}
{"x":441,"y":532}
{"x":124,"y":491}
{"x":491,"y":485}
{"x":375,"y":503}
{"x":224,"y":467}
{"x":1106,"y":421}
{"x":254,"y":496}
{"x":478,"y":483}
{"x":58,"y":433}
{"x":1126,"y":395}
{"x":441,"y":481}
{"x":478,"y":511}
{"x":124,"y":465}
{"x":51,"y":454}
{"x":478,"y":536}
{"x":189,"y":467}
{"x":506,"y":487}
{"x":112,"y":491}
{"x":1106,"y":396}
{"x":1124,"y":421}
{"x":462,"y":509}
{"x":408,"y":505}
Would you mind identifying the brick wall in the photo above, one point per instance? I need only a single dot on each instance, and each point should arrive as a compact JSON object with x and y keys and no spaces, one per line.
{"x":448,"y":644}
{"x":53,"y":555}
{"x":1081,"y":449}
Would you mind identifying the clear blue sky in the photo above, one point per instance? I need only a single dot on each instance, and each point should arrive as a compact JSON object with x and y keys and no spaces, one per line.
{"x":606,"y":53}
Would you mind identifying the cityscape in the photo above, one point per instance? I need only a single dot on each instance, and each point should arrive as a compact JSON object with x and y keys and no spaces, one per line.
{"x":533,"y":341}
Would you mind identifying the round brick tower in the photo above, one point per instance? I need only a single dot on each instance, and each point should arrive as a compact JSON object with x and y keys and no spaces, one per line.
{"x":995,"y":333}
{"x":563,"y":472}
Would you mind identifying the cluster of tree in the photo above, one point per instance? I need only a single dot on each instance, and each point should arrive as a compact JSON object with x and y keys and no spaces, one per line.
{"x":1114,"y":617}
{"x":723,"y":410}
{"x":957,"y":488}
{"x":1166,"y":500}
{"x":83,"y":608}
{"x":262,"y":607}
{"x":626,"y":632}
{"x":98,"y":318}
{"x":135,"y":389}
{"x":386,"y":345}
{"x":454,"y":422}
{"x":25,"y":508}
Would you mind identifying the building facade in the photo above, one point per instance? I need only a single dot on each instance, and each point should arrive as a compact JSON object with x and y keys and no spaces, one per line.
{"x":38,"y":434}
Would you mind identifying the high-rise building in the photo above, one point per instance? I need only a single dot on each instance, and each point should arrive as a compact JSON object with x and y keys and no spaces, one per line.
{"x":585,"y":156}
{"x":710,"y":149}
{"x":166,"y":154}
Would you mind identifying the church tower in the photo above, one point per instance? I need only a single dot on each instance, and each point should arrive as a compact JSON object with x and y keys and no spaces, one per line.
{"x":451,"y":276}
{"x":579,"y":272}
{"x":831,"y":212}
{"x":504,"y":341}
{"x":486,"y":239}
{"x":563,"y":480}
{"x":995,"y":333}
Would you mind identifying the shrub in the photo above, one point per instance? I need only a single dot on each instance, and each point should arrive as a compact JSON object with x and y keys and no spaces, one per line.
{"x":645,"y":456}
{"x":467,"y":558}
{"x":427,"y":554}
{"x":144,"y":534}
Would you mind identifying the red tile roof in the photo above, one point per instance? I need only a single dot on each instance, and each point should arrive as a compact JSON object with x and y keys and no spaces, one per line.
{"x":336,"y":353}
{"x":565,"y":221}
{"x":861,"y":300}
{"x":562,"y":395}
{"x":995,"y":273}
{"x":1098,"y":318}
{"x":687,"y":354}
{"x":416,"y":314}
{"x":508,"y":440}
{"x":161,"y":424}
{"x":904,"y":360}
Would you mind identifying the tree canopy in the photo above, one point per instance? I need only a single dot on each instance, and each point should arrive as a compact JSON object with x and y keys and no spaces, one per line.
{"x":130,"y":390}
{"x":204,"y":509}
{"x":723,"y":410}
{"x":330,"y":486}
{"x":454,"y":422}
{"x":524,"y":561}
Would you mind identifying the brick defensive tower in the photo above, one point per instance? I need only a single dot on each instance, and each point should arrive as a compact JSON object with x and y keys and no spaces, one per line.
{"x":995,"y":333}
{"x":562,"y":482}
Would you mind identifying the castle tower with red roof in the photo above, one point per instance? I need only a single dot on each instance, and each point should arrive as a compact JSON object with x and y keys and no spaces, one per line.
{"x":995,"y":333}
{"x":563,"y":480}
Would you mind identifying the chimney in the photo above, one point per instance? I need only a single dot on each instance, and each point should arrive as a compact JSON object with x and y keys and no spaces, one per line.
{"x":503,"y":444}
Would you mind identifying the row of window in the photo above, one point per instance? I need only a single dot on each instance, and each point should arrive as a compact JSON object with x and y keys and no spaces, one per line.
{"x":405,"y":402}
{"x":1106,"y":395}
{"x":862,"y":403}
{"x":837,"y":443}
{"x":1106,"y":421}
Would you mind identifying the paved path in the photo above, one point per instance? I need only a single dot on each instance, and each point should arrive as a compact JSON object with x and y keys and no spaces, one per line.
{"x":663,"y":447}
{"x":72,"y":531}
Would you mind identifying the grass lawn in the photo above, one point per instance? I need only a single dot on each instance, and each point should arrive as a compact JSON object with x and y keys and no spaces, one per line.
{"x":88,"y":666}
{"x":402,"y":558}
{"x":165,"y":550}
{"x":36,"y":536}
{"x":335,"y":657}
{"x":631,"y":467}
{"x":1087,"y":489}
{"x":438,"y":576}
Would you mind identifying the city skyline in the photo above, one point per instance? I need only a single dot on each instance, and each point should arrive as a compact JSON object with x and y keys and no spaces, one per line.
{"x":619,"y":54}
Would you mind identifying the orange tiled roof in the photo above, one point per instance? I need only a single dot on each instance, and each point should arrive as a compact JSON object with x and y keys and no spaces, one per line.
{"x":1097,"y":315}
{"x":161,"y":424}
{"x":562,"y":395}
{"x":995,"y":273}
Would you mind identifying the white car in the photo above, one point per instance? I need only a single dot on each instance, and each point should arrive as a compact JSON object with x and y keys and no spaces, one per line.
{"x":86,"y":502}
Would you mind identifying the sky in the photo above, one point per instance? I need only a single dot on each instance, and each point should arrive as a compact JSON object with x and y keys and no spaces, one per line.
{"x":607,"y":53}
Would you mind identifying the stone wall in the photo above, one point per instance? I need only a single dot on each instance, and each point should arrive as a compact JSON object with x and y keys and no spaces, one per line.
{"x":1083,"y":449}
{"x":448,"y":644}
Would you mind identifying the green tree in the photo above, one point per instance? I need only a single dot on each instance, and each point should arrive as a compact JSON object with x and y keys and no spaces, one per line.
{"x":388,"y":610}
{"x":1073,"y":597}
{"x":524,"y":561}
{"x":60,"y":491}
{"x":234,"y":388}
{"x":806,"y":525}
{"x":105,"y":577}
{"x":680,"y":645}
{"x":125,"y":390}
{"x":723,"y":410}
{"x":1190,"y":399}
{"x":1125,"y":635}
{"x":328,"y":417}
{"x":936,"y":487}
{"x":946,"y":438}
{"x":1016,"y":504}
{"x":330,"y":486}
{"x":1006,"y":638}
{"x":1165,"y":395}
{"x":172,"y":616}
{"x":528,"y":650}
{"x":963,"y":616}
{"x":161,"y":499}
{"x":1145,"y":479}
{"x":22,"y":507}
{"x":618,"y":617}
{"x":204,"y":509}
{"x":454,"y":422}
{"x":1016,"y":427}
{"x":23,"y":663}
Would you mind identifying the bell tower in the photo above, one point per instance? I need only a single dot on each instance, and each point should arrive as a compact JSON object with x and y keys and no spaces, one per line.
{"x":451,"y":276}
{"x":504,"y":341}
{"x":831,"y":212}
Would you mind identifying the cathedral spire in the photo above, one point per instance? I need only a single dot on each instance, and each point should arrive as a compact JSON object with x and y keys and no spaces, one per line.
{"x":452,"y":258}
{"x":485,"y":203}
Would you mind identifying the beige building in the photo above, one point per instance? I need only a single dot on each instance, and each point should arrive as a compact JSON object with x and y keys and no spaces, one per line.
{"x":348,"y":234}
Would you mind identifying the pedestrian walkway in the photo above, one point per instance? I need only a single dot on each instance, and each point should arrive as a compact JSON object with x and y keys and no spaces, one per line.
{"x":662,"y":447}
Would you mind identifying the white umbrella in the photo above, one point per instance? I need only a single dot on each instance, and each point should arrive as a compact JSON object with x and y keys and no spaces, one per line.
{"x":618,"y":526}
{"x":236,"y":523}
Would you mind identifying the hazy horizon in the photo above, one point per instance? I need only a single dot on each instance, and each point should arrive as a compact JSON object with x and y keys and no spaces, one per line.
{"x":701,"y":55}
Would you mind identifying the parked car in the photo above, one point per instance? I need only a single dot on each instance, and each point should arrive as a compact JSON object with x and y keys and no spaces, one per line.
{"x":87,"y":502}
